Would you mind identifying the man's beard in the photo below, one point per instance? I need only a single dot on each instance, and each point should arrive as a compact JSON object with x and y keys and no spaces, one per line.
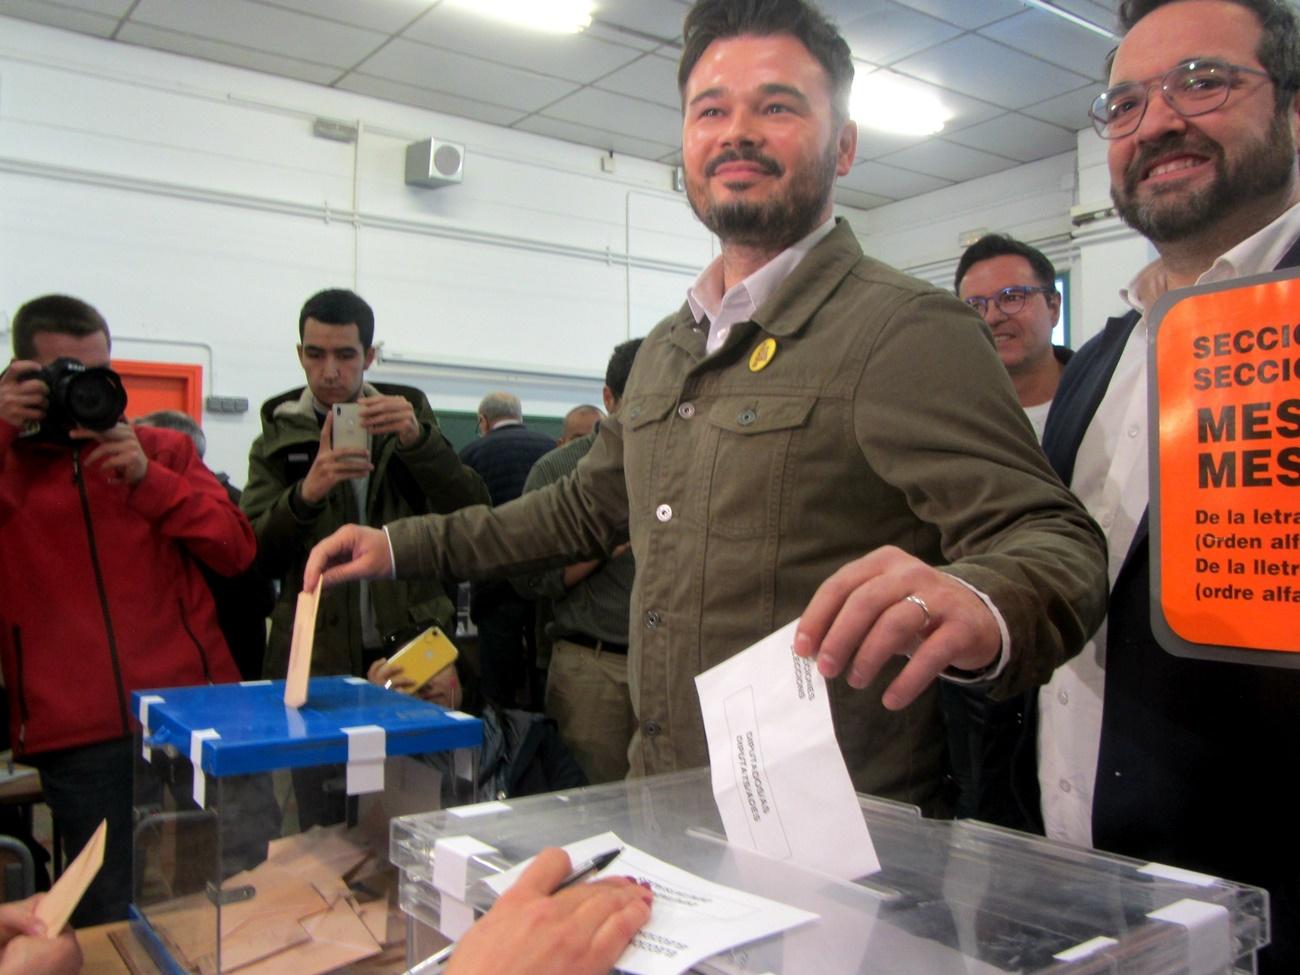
{"x":774,"y":223}
{"x":1263,"y":168}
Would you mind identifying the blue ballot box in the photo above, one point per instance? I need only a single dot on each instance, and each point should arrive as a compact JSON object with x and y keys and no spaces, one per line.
{"x":261,"y":830}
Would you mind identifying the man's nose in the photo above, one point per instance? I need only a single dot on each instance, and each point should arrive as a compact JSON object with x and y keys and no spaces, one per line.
{"x":1159,"y":118}
{"x":742,"y":129}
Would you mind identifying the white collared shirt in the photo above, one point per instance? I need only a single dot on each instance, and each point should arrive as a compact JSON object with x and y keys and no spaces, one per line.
{"x":1110,"y":478}
{"x":707,"y":300}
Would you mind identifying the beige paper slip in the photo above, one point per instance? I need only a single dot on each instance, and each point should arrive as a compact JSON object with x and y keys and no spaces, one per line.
{"x":304,"y":632}
{"x":57,"y":906}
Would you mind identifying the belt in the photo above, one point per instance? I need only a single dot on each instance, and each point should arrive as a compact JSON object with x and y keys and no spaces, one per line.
{"x":593,"y":643}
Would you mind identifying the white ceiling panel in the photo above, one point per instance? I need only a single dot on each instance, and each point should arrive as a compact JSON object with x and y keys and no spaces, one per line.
{"x":261,"y":28}
{"x":109,"y":8}
{"x":874,"y":142}
{"x":1033,"y":32}
{"x":890,"y":181}
{"x":388,"y":16}
{"x":657,"y":18}
{"x":1003,"y":76}
{"x":1101,"y":14}
{"x":1069,"y":111}
{"x":965,"y":111}
{"x":435,"y":101}
{"x":651,"y":77}
{"x":949,"y":161}
{"x":456,"y":74}
{"x":1013,"y":135}
{"x":883,"y":32}
{"x":574,"y":57}
{"x":596,"y":138}
{"x":863,"y":201}
{"x":240,"y":57}
{"x":967,"y":14}
{"x":621,"y":114}
{"x":57,"y":15}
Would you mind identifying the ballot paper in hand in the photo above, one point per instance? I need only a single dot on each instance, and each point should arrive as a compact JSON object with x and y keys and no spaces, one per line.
{"x":691,"y":918}
{"x":778,"y":776}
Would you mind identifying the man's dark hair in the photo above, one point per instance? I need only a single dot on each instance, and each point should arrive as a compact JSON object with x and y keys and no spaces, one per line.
{"x":1000,"y":245}
{"x":620,"y":365}
{"x":713,"y":20}
{"x":338,"y":306}
{"x":54,"y":313}
{"x":1279,"y":44}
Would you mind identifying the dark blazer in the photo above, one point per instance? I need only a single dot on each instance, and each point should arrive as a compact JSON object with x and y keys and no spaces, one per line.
{"x":1198,"y":758}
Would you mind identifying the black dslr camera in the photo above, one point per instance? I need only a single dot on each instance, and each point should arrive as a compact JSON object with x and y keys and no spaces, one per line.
{"x":93,"y":398}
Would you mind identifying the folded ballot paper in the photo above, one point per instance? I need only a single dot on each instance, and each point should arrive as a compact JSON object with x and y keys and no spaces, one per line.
{"x":778,"y":776}
{"x":692,"y":918}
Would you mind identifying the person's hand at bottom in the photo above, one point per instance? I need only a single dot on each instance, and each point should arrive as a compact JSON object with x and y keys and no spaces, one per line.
{"x":25,"y":949}
{"x":531,"y":931}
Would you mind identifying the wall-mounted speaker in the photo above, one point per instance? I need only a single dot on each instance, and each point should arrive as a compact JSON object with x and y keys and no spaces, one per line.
{"x":433,"y":163}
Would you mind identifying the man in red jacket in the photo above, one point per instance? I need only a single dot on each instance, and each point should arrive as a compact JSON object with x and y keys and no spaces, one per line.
{"x":100,"y":590}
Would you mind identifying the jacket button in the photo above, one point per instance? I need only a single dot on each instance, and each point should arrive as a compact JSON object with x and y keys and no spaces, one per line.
{"x":746,"y":417}
{"x":653,"y":619}
{"x":664,"y":513}
{"x":634,"y":412}
{"x":686,"y":411}
{"x":652,"y":729}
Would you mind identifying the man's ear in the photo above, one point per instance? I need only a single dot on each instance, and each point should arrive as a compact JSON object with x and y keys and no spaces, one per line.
{"x":846,"y":148}
{"x":611,"y":401}
{"x":370,"y":357}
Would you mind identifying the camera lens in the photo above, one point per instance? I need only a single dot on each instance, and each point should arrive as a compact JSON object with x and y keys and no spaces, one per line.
{"x":92,"y":398}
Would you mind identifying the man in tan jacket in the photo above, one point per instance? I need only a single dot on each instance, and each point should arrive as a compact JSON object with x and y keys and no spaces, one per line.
{"x":811,"y":434}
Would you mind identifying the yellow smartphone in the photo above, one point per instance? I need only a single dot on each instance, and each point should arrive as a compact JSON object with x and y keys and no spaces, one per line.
{"x":428,"y":654}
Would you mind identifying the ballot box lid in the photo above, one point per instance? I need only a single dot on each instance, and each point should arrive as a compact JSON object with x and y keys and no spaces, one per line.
{"x":243,"y":728}
{"x":950,"y":896}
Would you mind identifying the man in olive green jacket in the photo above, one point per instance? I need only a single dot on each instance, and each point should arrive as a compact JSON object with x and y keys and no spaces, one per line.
{"x":812,"y":435}
{"x":300,"y":490}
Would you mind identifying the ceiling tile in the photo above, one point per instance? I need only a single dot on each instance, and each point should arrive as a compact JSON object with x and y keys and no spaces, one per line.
{"x":862,"y":201}
{"x":621,"y":114}
{"x":57,"y":15}
{"x":875,"y":142}
{"x":596,"y":138}
{"x":624,"y":36}
{"x":1001,"y":75}
{"x":965,"y":110}
{"x":883,"y":32}
{"x":1072,"y":47}
{"x":575,"y":57}
{"x":1101,"y":14}
{"x":240,"y":57}
{"x":389,"y":16}
{"x":651,"y":77}
{"x":661,"y":19}
{"x":673,"y":158}
{"x":1017,"y":136}
{"x":269,"y":29}
{"x":109,"y":8}
{"x":964,"y":13}
{"x":436,"y":101}
{"x":465,"y":77}
{"x":890,"y":181}
{"x":947,"y":161}
{"x":1069,"y":110}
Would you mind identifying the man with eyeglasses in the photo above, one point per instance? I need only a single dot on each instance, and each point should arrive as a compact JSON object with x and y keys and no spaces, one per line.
{"x":1164,"y":758}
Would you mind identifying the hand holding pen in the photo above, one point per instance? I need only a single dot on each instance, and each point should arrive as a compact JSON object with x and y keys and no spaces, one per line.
{"x":550,"y":924}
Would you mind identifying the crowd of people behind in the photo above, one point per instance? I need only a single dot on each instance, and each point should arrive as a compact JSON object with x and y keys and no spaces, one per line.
{"x":959,"y":524}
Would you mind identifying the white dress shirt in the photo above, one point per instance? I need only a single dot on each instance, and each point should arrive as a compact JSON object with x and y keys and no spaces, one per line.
{"x":1110,"y":478}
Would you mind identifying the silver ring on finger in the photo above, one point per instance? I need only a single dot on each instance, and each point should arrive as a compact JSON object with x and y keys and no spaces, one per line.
{"x":919,"y":603}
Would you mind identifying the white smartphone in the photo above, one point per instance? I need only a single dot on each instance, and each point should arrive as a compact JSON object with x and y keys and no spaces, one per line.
{"x":349,"y":434}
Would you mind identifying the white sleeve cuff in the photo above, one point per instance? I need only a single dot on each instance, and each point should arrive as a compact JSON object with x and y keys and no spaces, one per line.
{"x":392,"y":574}
{"x":995,"y":669}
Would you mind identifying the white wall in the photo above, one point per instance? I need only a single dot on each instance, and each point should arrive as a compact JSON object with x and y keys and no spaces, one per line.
{"x":192,"y":205}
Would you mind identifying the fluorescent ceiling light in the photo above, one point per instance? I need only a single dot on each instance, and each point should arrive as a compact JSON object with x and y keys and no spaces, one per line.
{"x":556,"y":16}
{"x":885,"y":101}
{"x":1055,"y":11}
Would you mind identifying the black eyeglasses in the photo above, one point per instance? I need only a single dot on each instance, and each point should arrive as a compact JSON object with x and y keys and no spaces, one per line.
{"x":1009,"y":300}
{"x":1190,"y":89}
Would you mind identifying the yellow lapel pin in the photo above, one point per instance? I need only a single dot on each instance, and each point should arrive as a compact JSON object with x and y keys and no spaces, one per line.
{"x":763,"y":353}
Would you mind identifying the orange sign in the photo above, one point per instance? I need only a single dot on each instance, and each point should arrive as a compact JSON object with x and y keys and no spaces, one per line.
{"x":1225,"y":517}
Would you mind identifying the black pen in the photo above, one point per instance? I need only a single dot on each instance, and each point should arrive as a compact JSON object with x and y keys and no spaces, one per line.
{"x":434,"y":963}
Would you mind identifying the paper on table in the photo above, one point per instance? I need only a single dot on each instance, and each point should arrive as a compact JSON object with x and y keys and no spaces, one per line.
{"x":57,"y":906}
{"x":691,"y":919}
{"x":300,"y":644}
{"x":778,"y":776}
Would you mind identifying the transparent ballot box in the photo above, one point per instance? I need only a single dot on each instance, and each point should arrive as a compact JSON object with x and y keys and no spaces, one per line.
{"x":261,"y":831}
{"x":951,"y":897}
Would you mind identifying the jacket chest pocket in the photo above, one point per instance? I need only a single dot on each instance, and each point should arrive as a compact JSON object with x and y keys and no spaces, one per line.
{"x":750,"y":445}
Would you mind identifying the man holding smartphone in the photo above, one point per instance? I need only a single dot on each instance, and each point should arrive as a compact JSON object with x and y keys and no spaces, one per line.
{"x":342,"y":451}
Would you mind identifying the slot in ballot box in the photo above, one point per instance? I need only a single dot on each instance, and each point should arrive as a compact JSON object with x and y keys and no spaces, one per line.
{"x":261,"y":830}
{"x":951,"y":897}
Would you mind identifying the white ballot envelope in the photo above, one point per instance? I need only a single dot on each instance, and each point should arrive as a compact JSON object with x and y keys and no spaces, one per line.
{"x":778,"y":776}
{"x":691,"y":918}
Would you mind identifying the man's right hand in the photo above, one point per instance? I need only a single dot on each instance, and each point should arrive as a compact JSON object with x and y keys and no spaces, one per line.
{"x":23,"y":401}
{"x":353,"y":552}
{"x":332,"y":466}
